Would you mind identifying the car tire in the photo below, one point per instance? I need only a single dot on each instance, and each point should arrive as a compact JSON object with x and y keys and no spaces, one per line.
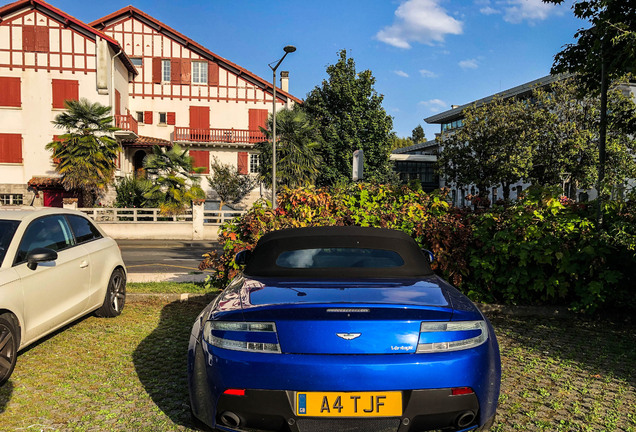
{"x":8,"y":347}
{"x":115,"y":298}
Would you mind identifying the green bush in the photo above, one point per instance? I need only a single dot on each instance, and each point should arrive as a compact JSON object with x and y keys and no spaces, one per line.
{"x":540,"y":250}
{"x":131,"y":192}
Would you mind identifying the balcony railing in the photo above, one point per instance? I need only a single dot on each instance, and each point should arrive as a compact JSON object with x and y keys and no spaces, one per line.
{"x":126,"y":122}
{"x":239,"y":136}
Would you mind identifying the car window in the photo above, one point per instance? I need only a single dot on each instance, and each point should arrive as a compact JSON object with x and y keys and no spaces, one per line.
{"x":7,"y":230}
{"x":83,"y":229}
{"x":339,"y":258}
{"x":50,"y":232}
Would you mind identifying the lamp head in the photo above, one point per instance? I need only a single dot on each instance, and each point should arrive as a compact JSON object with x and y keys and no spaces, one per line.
{"x":289,"y":49}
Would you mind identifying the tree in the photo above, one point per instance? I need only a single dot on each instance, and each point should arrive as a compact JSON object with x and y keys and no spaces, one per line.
{"x":298,"y":142}
{"x":132,"y":191}
{"x":568,"y":136}
{"x":175,"y":185}
{"x":228,"y":184}
{"x":418,"y":135}
{"x":492,"y":148}
{"x":397,"y":142}
{"x":350,"y":116}
{"x":603,"y":53}
{"x":85,"y":155}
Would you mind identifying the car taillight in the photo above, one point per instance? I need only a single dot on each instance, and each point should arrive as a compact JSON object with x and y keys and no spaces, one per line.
{"x":451,"y":336}
{"x":242,"y":336}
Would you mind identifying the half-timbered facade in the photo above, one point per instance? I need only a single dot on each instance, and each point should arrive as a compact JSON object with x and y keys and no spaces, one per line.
{"x":189,"y":95}
{"x":163,"y":87}
{"x":47,"y":57}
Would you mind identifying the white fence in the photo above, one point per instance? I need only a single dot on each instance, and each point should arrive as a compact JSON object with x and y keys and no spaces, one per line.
{"x":148,"y":223}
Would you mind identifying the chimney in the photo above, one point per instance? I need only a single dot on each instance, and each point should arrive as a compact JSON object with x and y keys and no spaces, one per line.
{"x":284,"y":81}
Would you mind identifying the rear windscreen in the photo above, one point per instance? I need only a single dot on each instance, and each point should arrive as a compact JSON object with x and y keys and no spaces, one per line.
{"x":339,"y":258}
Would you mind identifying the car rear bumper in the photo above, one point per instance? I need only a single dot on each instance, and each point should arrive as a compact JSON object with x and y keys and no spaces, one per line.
{"x":271,"y":382}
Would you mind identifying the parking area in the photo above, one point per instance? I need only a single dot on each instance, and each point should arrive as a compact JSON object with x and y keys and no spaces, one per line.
{"x":129,"y":373}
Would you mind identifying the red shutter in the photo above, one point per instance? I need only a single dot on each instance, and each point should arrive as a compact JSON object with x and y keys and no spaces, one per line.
{"x":28,"y":38}
{"x":41,"y":39}
{"x":64,"y":90}
{"x":171,"y":118}
{"x":10,"y":148}
{"x":156,"y":70}
{"x":117,"y":103}
{"x":148,"y":117}
{"x":10,"y":92}
{"x":186,"y":71}
{"x":213,"y":74}
{"x":175,"y":71}
{"x":242,"y":163}
{"x":201,"y":158}
{"x":257,"y":119}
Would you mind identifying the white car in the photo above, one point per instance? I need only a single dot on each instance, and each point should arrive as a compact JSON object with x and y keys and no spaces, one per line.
{"x":55,"y":266}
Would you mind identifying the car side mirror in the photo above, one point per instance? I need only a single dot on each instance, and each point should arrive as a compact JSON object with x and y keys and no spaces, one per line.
{"x":242,"y":257}
{"x":429,"y":255}
{"x":39,"y":255}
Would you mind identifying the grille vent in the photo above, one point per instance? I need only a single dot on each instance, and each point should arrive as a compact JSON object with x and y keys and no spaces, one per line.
{"x":348,"y":425}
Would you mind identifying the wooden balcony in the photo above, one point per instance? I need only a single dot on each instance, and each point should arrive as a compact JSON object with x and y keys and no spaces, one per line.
{"x":218,"y":136}
{"x":128,"y":125}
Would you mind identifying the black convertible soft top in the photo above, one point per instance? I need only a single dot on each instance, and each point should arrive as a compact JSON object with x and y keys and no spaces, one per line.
{"x":337,"y":252}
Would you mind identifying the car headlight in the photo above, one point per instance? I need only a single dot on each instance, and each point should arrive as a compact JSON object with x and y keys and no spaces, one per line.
{"x":242,"y":336}
{"x":451,"y":336}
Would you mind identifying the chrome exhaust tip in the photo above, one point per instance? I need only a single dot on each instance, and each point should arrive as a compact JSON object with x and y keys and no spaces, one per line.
{"x":228,"y":418}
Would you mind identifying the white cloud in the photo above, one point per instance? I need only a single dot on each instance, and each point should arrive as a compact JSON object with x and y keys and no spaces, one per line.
{"x":489,"y":11}
{"x":423,"y":21}
{"x":468,"y":64}
{"x":428,"y":74}
{"x":434,"y":105}
{"x":518,"y":11}
{"x":401,"y":73}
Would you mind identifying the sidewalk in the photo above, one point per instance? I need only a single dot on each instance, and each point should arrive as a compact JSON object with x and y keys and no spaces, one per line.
{"x":167,"y":277}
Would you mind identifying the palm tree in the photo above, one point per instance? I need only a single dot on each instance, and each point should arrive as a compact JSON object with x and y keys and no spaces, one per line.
{"x":175,"y":185}
{"x":297,"y":141}
{"x":85,"y":155}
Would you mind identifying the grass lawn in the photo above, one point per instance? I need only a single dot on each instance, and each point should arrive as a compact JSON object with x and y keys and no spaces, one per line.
{"x":168,"y":288}
{"x":129,"y":374}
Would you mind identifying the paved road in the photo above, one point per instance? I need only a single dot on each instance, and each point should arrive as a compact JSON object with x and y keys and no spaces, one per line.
{"x":164,"y":256}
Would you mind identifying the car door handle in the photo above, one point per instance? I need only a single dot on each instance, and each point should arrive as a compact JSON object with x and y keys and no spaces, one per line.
{"x":84,"y":264}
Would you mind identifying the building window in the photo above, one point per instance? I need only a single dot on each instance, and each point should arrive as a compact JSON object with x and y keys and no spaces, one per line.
{"x":494,"y":195}
{"x":10,"y":94}
{"x":162,"y":118}
{"x":519,"y":190}
{"x":254,"y":163}
{"x":140,"y":116}
{"x":137,"y":61}
{"x":64,"y":90}
{"x":454,"y":197}
{"x":199,"y":72}
{"x":11,"y":199}
{"x":10,"y":148}
{"x":165,"y":70}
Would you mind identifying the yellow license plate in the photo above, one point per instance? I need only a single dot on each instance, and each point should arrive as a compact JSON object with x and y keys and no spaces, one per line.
{"x":345,"y":404}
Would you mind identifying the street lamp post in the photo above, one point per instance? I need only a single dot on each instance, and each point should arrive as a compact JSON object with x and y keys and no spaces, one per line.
{"x":288,"y":49}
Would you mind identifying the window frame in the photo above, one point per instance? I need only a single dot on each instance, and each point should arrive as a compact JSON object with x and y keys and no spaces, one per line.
{"x":200,"y":72}
{"x":166,"y":71}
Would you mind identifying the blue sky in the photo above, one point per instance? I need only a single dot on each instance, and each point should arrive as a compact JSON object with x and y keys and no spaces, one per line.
{"x":424,"y":54}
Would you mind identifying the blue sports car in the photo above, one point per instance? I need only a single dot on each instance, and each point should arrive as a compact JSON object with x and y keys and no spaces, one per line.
{"x":342,"y":329}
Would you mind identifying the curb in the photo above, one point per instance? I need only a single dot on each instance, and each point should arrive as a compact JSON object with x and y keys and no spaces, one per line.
{"x":525,"y":311}
{"x":142,"y":297}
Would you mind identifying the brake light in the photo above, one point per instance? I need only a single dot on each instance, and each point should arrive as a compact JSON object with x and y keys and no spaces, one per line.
{"x":451,"y":336}
{"x":235,"y":392}
{"x":242,"y":336}
{"x":458,"y":391}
